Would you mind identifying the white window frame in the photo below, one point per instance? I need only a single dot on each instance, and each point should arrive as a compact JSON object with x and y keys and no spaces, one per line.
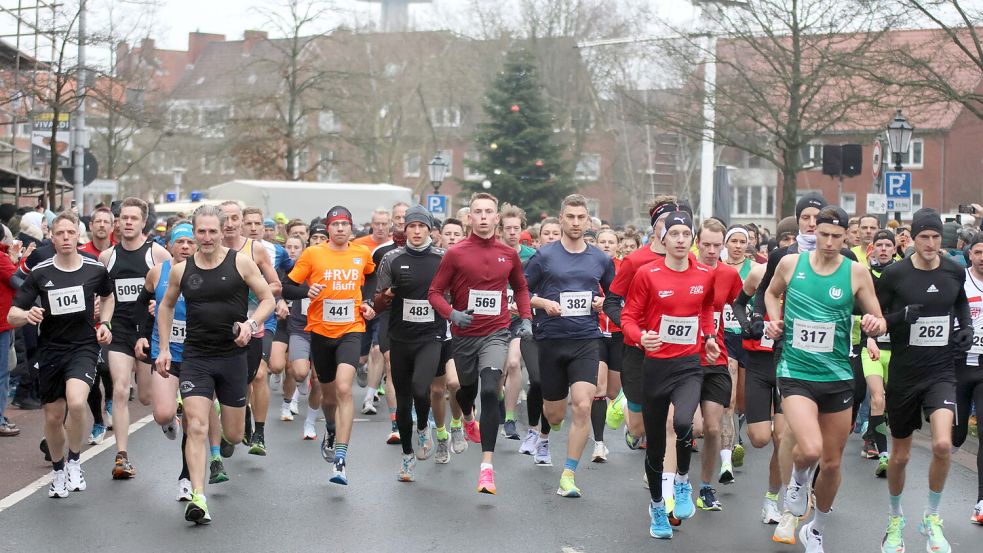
{"x":815,"y":160}
{"x":584,"y":172}
{"x":848,"y":201}
{"x":407,"y":171}
{"x":448,"y":117}
{"x":469,"y":174}
{"x":736,"y":209}
{"x":327,"y":122}
{"x":910,"y":162}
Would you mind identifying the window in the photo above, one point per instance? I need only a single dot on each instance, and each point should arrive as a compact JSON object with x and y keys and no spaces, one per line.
{"x":469,"y":173}
{"x":135,"y":97}
{"x":213,"y":120}
{"x":209,"y":164}
{"x":445,"y":117}
{"x":327,"y":122}
{"x":589,"y":167}
{"x":916,"y":154}
{"x":812,"y":156}
{"x":411,"y":164}
{"x":158,"y":162}
{"x":327,"y":169}
{"x":448,"y":156}
{"x":849,"y":203}
{"x":754,"y":200}
{"x":183,"y":117}
{"x":227,"y":165}
{"x":752,"y":161}
{"x":594,"y":207}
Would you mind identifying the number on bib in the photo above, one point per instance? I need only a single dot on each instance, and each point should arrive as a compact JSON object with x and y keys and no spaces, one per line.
{"x":730,"y":320}
{"x":814,"y":337}
{"x":305,"y":304}
{"x":338,"y":311}
{"x":930,"y":332}
{"x":485,"y":302}
{"x":575,"y":304}
{"x":128,"y":289}
{"x":178,"y":330}
{"x":66,"y":300}
{"x":417,"y":311}
{"x":977,"y":341}
{"x":678,"y":330}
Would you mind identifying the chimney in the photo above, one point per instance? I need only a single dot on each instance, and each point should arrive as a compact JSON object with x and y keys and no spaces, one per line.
{"x":197,"y":42}
{"x":249,"y":40}
{"x":122,"y":68}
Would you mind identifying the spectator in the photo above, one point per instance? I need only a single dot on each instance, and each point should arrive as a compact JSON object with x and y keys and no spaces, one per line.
{"x":7,"y":269}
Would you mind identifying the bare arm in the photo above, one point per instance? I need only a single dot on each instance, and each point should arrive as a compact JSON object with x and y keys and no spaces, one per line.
{"x":165,"y":311}
{"x":260,"y":287}
{"x":777,"y":287}
{"x":268,"y":272}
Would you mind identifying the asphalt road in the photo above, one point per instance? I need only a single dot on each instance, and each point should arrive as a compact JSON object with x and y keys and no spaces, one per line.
{"x":284,"y":502}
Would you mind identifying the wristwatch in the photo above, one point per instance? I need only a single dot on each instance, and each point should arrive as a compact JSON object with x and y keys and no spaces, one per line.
{"x":253,"y":326}
{"x":708,"y":337}
{"x":107,"y":324}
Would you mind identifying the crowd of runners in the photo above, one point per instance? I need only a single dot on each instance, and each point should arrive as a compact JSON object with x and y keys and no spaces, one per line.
{"x":689,"y":336}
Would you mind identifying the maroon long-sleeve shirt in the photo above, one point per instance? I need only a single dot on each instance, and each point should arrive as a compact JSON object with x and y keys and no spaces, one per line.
{"x":475,"y":272}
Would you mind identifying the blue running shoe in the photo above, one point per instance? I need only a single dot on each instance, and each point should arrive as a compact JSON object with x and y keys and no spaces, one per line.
{"x":659,"y":527}
{"x":684,"y":508}
{"x":340,"y":475}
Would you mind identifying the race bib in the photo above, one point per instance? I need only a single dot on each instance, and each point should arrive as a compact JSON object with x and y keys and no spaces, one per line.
{"x":678,"y":330}
{"x":178,"y":330}
{"x":305,"y":304}
{"x":510,"y":297}
{"x":814,"y":337}
{"x":338,"y":311}
{"x":128,"y":289}
{"x":717,"y":316}
{"x":575,"y":304}
{"x":66,"y":300}
{"x":884,"y":338}
{"x":766,"y":342}
{"x":730,"y":320}
{"x":485,"y":302}
{"x":930,"y":331}
{"x":977,"y":342}
{"x":417,"y":311}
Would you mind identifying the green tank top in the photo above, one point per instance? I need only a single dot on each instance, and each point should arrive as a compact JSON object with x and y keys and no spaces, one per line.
{"x":818,"y":313}
{"x":745,"y":269}
{"x":731,"y":325}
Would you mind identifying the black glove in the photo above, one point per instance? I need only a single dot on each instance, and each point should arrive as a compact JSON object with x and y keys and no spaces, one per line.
{"x":756,"y":327}
{"x":912,"y":312}
{"x":525,"y":329}
{"x":962,"y":339}
{"x":461,"y":318}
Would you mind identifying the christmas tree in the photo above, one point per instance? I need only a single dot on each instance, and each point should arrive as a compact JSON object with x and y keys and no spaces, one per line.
{"x":519,"y":152}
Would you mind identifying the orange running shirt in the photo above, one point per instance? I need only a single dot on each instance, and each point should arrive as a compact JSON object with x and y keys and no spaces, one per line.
{"x":369,"y":242}
{"x":337,"y":309}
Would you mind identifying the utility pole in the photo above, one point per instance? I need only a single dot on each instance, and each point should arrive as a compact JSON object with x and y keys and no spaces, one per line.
{"x":80,"y":131}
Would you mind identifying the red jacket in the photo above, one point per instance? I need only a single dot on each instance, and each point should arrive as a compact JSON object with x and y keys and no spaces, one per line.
{"x":7,"y":270}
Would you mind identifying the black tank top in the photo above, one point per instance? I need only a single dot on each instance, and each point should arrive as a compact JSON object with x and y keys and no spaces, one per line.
{"x":128,"y":271}
{"x":215,"y":299}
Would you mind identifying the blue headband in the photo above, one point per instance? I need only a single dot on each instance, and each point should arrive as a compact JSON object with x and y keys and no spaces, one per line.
{"x":181,"y":231}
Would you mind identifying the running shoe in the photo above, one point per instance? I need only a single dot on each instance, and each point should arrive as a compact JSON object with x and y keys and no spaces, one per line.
{"x":459,"y":444}
{"x":276,"y":382}
{"x":216,"y":472}
{"x":362,"y":375}
{"x":528,"y":446}
{"x":327,"y":447}
{"x":424,"y":444}
{"x":769,"y":510}
{"x":294,"y":407}
{"x":977,"y":517}
{"x":258,"y":444}
{"x":785,"y":531}
{"x":472,"y":431}
{"x":197,"y":510}
{"x":76,"y":482}
{"x":881,"y":470}
{"x":659,"y":526}
{"x":693,"y":447}
{"x":340,"y":474}
{"x":568,"y":488}
{"x":869,"y":450}
{"x":393,"y":438}
{"x":737,"y":456}
{"x":170,"y":429}
{"x":247,"y":431}
{"x":811,"y":540}
{"x":707,"y":500}
{"x":309,"y":432}
{"x":98,"y":434}
{"x":285,"y":413}
{"x":43,"y":446}
{"x":109,"y":414}
{"x":407,"y":470}
{"x":226,"y":448}
{"x":600,"y":454}
{"x":59,"y":484}
{"x":368,"y":408}
{"x":442,"y":456}
{"x":726,"y":474}
{"x":683,"y":494}
{"x":614,"y":417}
{"x":184,"y":490}
{"x":542,"y":457}
{"x":632,"y":442}
{"x":509,"y":430}
{"x":797,"y":499}
{"x":673,"y":519}
{"x":931,"y":528}
{"x":122,"y":469}
{"x":486,"y":481}
{"x":893,"y":541}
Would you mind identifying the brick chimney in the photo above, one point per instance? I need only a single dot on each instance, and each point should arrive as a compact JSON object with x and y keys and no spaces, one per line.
{"x":123,"y":63}
{"x":249,"y":40}
{"x":147,"y":49}
{"x":197,"y":42}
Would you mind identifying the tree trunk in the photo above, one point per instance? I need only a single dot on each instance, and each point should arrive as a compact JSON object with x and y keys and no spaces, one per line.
{"x":53,"y":159}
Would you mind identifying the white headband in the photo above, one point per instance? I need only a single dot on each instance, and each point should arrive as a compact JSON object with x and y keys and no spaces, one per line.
{"x":737,"y":230}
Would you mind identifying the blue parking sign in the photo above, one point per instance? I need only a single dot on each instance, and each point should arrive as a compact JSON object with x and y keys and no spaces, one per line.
{"x":437,"y":205}
{"x":897,"y":185}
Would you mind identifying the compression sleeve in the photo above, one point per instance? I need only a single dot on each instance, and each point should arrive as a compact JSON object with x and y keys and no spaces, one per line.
{"x":294,"y":291}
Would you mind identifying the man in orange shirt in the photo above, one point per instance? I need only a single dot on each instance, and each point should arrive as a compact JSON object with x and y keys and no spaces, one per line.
{"x":331,"y":275}
{"x":382,"y":230}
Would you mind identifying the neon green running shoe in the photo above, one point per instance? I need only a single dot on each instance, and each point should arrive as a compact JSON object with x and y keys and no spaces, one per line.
{"x":615,"y":415}
{"x":567,"y":487}
{"x":197,"y":510}
{"x":893,"y":541}
{"x":737,"y":456}
{"x":931,"y":528}
{"x":881,"y":470}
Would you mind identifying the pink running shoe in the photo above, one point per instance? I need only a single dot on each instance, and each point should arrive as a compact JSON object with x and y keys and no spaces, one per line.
{"x":486,"y":481}
{"x":472,"y":431}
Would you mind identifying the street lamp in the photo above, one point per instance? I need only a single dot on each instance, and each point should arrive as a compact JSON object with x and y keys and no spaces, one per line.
{"x":438,"y":170}
{"x":899,"y":138}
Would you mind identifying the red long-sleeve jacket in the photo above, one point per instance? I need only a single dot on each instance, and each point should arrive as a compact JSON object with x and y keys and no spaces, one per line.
{"x":479,"y":265}
{"x":7,"y":270}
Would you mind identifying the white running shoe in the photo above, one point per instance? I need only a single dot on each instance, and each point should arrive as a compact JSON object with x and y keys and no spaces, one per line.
{"x":59,"y":484}
{"x":812,"y":541}
{"x":368,"y":408}
{"x":769,"y":512}
{"x":184,"y":490}
{"x":76,"y":482}
{"x":170,"y":429}
{"x":797,"y":499}
{"x":285,"y":414}
{"x":785,"y":531}
{"x":309,"y":432}
{"x":600,"y":454}
{"x":294,"y":407}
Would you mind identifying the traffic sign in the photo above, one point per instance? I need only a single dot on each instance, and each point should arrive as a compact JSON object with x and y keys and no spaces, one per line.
{"x":876,"y":204}
{"x":437,"y":205}
{"x":901,"y":205}
{"x":897,"y":185}
{"x":875,"y":165}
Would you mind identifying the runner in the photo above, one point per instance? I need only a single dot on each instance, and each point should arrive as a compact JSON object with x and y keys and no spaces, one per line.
{"x":371,"y":357}
{"x":565,"y":278}
{"x":814,"y":372}
{"x":128,"y":263}
{"x":300,"y":360}
{"x":969,"y":378}
{"x":921,"y":294}
{"x":100,"y":234}
{"x":215,"y":283}
{"x":451,"y":233}
{"x":475,"y":273}
{"x":68,"y":344}
{"x":279,"y":360}
{"x":334,"y":273}
{"x":513,"y":222}
{"x":669,"y":312}
{"x":419,"y":352}
{"x":609,"y":370}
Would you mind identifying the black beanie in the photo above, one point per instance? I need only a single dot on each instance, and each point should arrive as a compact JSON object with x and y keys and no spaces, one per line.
{"x":810,"y":199}
{"x":928,"y":220}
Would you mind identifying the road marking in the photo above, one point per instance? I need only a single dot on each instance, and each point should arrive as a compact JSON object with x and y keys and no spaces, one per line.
{"x":28,"y":490}
{"x":570,"y":550}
